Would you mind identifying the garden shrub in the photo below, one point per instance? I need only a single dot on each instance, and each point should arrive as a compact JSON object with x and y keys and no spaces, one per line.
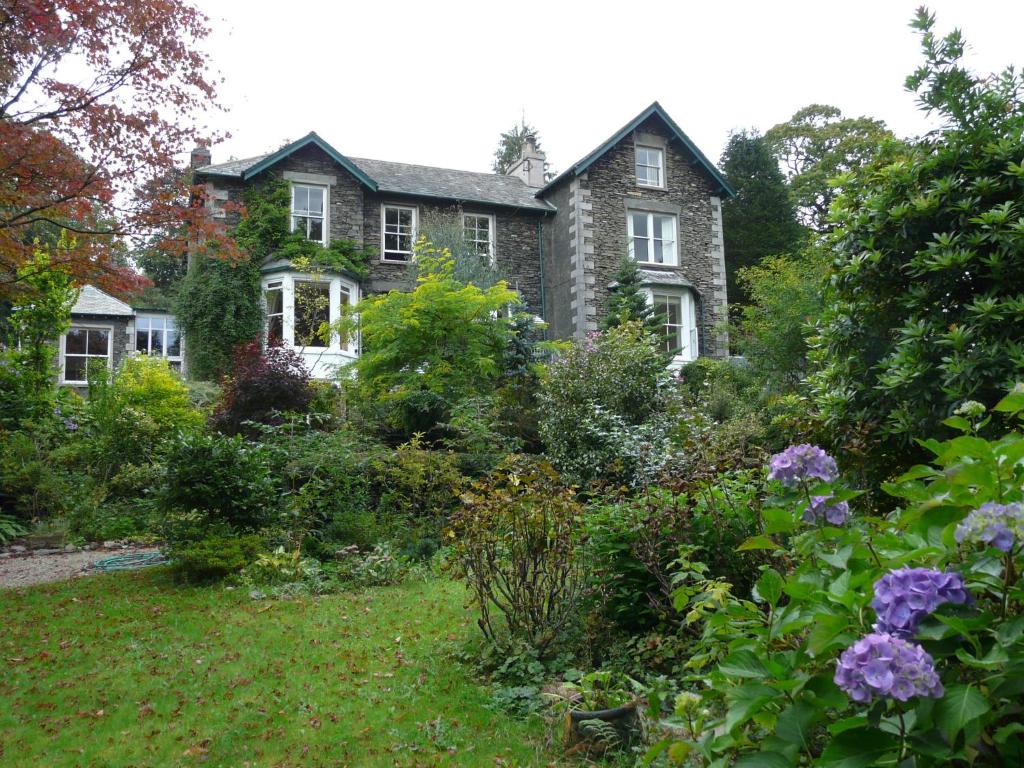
{"x":214,"y":557}
{"x":263,"y":385}
{"x":633,"y":545}
{"x":922,"y":310}
{"x":219,"y":483}
{"x":603,"y":407}
{"x":517,"y":542}
{"x":131,"y":413}
{"x":896,"y":641}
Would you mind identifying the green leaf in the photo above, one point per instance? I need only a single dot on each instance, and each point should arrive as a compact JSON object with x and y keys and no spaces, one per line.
{"x":826,"y":628}
{"x":795,"y":723}
{"x":858,"y":748}
{"x":743,"y":664}
{"x":757,"y":542}
{"x":747,"y":700}
{"x":764,"y":760}
{"x":769,"y":586}
{"x":961,"y":705}
{"x":959,"y":423}
{"x":1012,"y":403}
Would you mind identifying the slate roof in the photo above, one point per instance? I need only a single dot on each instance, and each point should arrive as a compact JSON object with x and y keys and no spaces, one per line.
{"x":93,"y":301}
{"x":402,"y":178}
{"x":448,"y":184}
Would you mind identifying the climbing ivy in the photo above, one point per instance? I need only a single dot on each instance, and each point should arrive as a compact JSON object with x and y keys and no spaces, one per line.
{"x":220,"y":307}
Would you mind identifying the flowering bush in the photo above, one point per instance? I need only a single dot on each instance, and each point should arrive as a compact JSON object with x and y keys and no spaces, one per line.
{"x":896,"y":641}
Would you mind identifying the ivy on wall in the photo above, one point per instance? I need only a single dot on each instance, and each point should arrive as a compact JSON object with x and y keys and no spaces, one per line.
{"x":220,"y":307}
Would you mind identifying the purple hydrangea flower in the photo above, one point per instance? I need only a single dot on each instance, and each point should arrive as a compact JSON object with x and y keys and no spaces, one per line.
{"x":905,"y":596}
{"x":70,"y":425}
{"x":802,"y":462}
{"x":881,"y":665}
{"x":819,"y":509}
{"x":997,"y":525}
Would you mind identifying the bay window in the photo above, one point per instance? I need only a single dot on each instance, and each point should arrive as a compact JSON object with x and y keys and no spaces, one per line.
{"x":652,"y":238}
{"x":676,"y":310}
{"x":301,"y":307}
{"x":273,"y":296}
{"x":312,"y":311}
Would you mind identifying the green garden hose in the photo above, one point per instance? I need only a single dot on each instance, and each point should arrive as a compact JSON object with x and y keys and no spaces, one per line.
{"x":129,"y":562}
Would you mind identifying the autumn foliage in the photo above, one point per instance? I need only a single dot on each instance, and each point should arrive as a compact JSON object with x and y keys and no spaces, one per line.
{"x":97,"y":97}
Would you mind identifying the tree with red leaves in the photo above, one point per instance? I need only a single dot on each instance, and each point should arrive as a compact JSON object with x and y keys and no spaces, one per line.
{"x":97,"y":97}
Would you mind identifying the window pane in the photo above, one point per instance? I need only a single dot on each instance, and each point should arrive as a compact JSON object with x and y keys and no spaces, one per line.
{"x":316,"y":229}
{"x":275,"y":300}
{"x":173,"y":343}
{"x":98,"y":339}
{"x":156,"y":341}
{"x":312,"y":309}
{"x":391,"y":243}
{"x":275,"y":329}
{"x":640,"y":249}
{"x":74,"y":368}
{"x":75,"y":342}
{"x":299,"y":224}
{"x":142,"y":341}
{"x":391,"y":217}
{"x":316,"y":200}
{"x":640,"y":225}
{"x":405,"y":218}
{"x":301,"y":198}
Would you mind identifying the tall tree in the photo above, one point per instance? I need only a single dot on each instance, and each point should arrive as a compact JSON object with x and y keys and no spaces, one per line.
{"x":510,"y":146}
{"x":760,"y":220}
{"x":924,"y":308}
{"x":818,"y":144}
{"x":96,"y":100}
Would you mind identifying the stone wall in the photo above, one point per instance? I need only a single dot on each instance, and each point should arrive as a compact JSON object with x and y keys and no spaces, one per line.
{"x":610,"y":184}
{"x":558,"y":281}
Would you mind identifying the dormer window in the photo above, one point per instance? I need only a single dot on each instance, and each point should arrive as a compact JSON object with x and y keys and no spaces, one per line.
{"x":308,"y":208}
{"x":650,"y":166}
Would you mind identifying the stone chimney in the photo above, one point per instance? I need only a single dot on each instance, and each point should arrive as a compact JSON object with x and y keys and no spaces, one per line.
{"x":530,"y":167}
{"x":200,"y":156}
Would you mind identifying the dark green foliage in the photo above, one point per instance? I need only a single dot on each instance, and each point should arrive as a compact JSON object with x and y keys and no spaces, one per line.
{"x":760,"y":220}
{"x":219,"y":307}
{"x":629,"y":302}
{"x":785,"y":295}
{"x":924,"y":309}
{"x":215,"y":557}
{"x":818,"y":144}
{"x":510,"y":146}
{"x":516,"y":541}
{"x":265,"y":231}
{"x":220,"y":482}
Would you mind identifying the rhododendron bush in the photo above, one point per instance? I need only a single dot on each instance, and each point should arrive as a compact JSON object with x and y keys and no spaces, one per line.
{"x":870,"y":641}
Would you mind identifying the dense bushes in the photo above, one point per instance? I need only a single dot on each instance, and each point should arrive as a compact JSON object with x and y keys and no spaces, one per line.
{"x":263,"y":385}
{"x":603,"y":407}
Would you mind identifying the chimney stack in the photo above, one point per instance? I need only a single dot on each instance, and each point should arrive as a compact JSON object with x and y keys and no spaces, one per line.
{"x":530,"y":167}
{"x":200,"y":156}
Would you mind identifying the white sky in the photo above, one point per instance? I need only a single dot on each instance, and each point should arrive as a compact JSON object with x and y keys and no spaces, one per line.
{"x":436,"y":81}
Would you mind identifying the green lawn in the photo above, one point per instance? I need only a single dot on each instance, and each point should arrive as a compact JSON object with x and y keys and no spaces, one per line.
{"x":131,"y":670}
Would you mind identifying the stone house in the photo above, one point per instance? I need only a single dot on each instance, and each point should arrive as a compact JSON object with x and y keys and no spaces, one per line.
{"x":106,"y":329}
{"x":646,"y":192}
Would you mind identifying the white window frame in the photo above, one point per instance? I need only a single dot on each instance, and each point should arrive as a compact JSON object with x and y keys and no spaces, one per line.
{"x":324,"y":218}
{"x":490,"y":231}
{"x":689,"y":332}
{"x":63,"y":351}
{"x":332,"y":316}
{"x":651,"y":215}
{"x":164,"y":330}
{"x":337,"y":287}
{"x":272,"y":285}
{"x":660,"y":166}
{"x":384,"y":232}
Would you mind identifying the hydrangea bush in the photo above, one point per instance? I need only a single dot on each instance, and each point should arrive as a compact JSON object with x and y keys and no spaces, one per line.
{"x":893,"y":641}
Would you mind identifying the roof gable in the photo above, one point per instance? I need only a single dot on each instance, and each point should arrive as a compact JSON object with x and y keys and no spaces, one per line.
{"x":92,"y":301}
{"x":246,"y":169}
{"x":677,"y":133}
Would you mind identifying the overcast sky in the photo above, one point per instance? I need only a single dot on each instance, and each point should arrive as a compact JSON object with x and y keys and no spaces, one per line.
{"x":435,"y":82}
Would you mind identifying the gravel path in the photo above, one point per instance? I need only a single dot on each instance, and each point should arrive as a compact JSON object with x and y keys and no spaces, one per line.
{"x":24,"y":571}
